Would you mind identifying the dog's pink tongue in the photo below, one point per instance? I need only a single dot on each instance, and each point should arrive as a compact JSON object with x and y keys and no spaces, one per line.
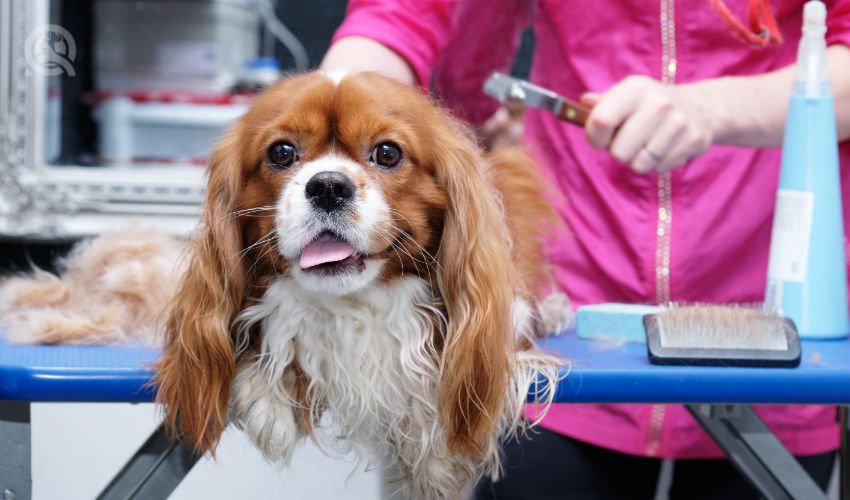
{"x":326,"y":248}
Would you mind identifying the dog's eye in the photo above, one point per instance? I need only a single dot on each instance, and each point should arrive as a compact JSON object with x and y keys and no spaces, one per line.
{"x":282,"y":155}
{"x":386,"y":155}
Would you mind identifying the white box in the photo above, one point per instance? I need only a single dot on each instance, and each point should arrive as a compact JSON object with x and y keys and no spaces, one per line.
{"x":189,"y":45}
{"x":156,"y":131}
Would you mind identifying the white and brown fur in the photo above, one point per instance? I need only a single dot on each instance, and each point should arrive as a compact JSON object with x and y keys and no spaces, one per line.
{"x":423,"y":359}
{"x":111,"y":290}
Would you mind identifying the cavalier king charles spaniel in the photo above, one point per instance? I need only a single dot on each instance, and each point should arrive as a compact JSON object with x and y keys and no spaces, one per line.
{"x":360,"y":258}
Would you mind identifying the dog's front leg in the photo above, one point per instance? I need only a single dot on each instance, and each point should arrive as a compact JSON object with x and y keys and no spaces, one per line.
{"x":265,"y":410}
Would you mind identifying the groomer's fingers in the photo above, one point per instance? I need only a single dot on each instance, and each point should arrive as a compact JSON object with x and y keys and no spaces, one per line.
{"x":497,"y":124}
{"x":613,"y":108}
{"x":638,"y":128}
{"x":690,"y":143}
{"x":590,"y":99}
{"x":657,"y":153}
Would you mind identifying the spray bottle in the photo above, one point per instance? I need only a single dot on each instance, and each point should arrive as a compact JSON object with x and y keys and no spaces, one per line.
{"x":807,"y":277}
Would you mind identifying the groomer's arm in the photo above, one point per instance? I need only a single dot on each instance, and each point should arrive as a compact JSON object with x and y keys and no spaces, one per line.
{"x":750,"y":111}
{"x":651,"y":126}
{"x":356,"y":53}
{"x":401,"y":39}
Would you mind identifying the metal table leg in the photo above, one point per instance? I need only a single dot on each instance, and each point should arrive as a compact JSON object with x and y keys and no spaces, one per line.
{"x":756,"y":452}
{"x":153,"y":472}
{"x":15,"y":451}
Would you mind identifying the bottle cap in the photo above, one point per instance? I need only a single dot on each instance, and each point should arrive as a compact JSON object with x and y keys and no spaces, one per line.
{"x":814,"y":15}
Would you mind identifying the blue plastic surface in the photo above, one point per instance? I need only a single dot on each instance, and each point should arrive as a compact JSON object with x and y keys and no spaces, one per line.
{"x":76,"y":373}
{"x":599,"y":372}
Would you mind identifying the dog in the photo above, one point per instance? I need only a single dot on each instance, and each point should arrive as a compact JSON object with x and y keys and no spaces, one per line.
{"x":360,"y":257}
{"x":362,"y":271}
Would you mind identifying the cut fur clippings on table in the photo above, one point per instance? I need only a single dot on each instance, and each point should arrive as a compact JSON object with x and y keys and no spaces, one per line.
{"x":110,"y":290}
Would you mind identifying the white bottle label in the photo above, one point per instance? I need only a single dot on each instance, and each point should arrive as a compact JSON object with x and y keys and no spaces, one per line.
{"x":792,"y":231}
{"x":773,"y":295}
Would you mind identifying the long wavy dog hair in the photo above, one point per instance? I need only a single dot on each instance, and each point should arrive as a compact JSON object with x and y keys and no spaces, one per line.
{"x":477,"y":279}
{"x":199,"y":361}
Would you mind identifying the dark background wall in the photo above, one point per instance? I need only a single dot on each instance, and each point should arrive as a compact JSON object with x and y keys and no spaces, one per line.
{"x":17,"y":256}
{"x":314,"y":22}
{"x":311,"y":21}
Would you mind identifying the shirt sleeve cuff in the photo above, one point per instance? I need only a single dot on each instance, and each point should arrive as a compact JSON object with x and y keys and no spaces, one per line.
{"x":417,"y":35}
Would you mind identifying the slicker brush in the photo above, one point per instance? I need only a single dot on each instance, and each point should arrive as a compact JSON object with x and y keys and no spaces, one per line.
{"x":721,"y":335}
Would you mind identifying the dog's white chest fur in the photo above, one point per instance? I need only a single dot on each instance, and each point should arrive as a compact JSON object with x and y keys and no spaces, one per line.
{"x":370,"y":360}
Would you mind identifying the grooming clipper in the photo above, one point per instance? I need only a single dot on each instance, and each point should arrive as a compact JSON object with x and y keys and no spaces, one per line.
{"x":507,"y":89}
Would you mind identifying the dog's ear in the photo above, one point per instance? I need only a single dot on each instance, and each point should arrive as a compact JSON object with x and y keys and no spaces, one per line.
{"x":199,"y":360}
{"x":477,"y":284}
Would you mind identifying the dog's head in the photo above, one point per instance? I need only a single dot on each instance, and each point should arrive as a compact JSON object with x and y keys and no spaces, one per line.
{"x":344,"y":184}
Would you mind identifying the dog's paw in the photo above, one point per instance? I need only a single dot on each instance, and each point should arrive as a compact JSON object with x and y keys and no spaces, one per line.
{"x":273,"y":430}
{"x":268,"y":419}
{"x":441,"y":477}
{"x":556,"y":313}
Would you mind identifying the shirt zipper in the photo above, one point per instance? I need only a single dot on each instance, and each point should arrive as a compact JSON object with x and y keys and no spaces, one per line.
{"x":665,"y":180}
{"x":656,"y":424}
{"x":665,"y":211}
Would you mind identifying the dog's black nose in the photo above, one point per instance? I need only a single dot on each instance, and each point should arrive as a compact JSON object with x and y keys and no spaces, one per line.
{"x":330,"y":191}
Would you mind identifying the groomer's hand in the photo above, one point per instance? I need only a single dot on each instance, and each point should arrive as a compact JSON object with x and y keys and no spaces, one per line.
{"x":648,"y":125}
{"x":503,"y":128}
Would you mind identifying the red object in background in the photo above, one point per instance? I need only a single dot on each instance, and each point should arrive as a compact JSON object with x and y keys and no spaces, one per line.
{"x":174,"y":97}
{"x":763,"y":29}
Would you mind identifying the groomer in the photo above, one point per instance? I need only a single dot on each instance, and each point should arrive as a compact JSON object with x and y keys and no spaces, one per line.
{"x":668,"y":191}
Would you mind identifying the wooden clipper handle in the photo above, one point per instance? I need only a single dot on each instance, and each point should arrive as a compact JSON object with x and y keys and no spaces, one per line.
{"x":573,"y":112}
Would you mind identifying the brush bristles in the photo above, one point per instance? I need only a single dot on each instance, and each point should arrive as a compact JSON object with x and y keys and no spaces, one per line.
{"x":722,"y":327}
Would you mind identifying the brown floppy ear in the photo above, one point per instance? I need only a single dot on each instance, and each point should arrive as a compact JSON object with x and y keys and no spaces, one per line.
{"x":199,"y":362}
{"x":477,"y":285}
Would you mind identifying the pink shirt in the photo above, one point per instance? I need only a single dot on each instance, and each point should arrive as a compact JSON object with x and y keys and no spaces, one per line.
{"x":700,"y":233}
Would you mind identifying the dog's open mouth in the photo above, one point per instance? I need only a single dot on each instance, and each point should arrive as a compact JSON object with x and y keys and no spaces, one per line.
{"x":329,"y":254}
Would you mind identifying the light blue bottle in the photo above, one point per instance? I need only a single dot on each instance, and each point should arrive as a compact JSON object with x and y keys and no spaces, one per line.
{"x":807,"y":277}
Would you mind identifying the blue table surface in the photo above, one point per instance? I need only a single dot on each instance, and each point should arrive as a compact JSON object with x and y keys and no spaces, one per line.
{"x":595,"y":372}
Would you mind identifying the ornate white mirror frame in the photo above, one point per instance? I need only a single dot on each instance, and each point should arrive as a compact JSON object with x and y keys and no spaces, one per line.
{"x":40,"y":201}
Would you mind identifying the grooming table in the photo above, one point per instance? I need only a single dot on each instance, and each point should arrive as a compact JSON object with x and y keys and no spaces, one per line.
{"x":83,"y":374}
{"x":719,"y":397}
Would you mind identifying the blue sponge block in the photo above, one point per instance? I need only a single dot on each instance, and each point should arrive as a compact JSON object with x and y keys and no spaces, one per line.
{"x":613,"y":321}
